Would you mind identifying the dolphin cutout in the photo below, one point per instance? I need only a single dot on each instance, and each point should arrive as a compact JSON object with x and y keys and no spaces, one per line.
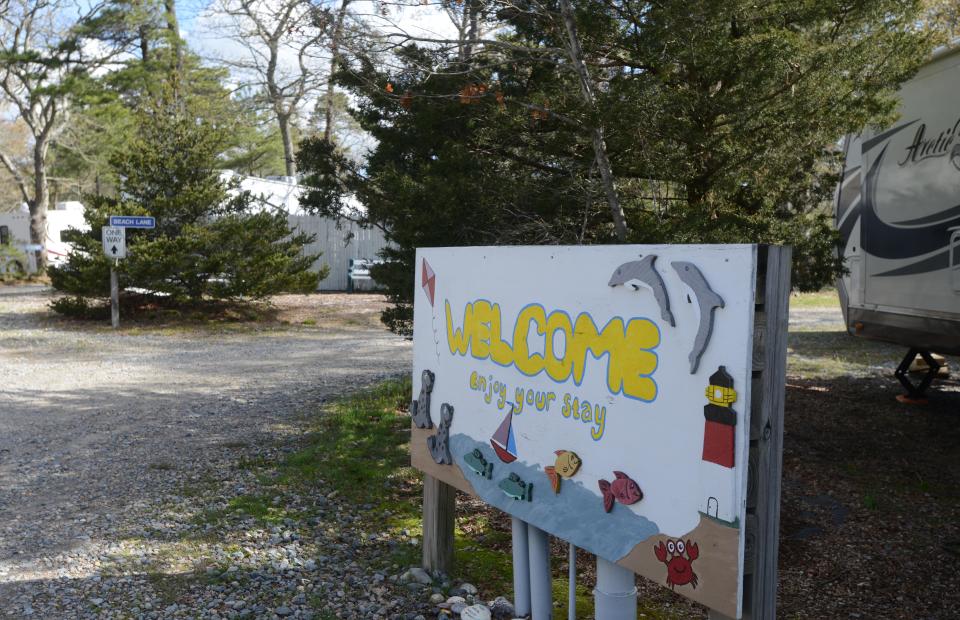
{"x":707,"y":300}
{"x":643,"y":272}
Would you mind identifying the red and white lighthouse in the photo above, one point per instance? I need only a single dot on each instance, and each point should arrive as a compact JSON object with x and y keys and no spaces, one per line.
{"x":717,"y":477}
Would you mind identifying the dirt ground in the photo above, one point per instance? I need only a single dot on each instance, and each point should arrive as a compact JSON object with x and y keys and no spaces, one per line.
{"x":870,"y":512}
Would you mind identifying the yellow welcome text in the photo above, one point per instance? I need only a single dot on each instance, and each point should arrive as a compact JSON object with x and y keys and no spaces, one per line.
{"x":628,"y":347}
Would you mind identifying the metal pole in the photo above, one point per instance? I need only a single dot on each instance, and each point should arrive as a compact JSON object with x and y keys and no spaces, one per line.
{"x":521,"y":568}
{"x":541,"y":590}
{"x":572,"y":578}
{"x":114,"y":298}
{"x":615,"y":597}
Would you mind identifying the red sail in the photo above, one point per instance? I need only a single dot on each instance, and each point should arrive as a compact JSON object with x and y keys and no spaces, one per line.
{"x":501,"y":440}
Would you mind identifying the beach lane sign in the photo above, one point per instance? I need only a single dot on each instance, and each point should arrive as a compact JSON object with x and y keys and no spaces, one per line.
{"x":114,"y":241}
{"x":133,"y":221}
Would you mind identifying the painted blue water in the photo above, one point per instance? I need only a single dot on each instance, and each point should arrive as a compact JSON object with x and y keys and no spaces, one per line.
{"x":575,"y":514}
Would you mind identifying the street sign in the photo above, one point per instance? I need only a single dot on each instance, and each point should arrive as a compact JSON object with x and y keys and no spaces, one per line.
{"x":114,"y":241}
{"x":133,"y":221}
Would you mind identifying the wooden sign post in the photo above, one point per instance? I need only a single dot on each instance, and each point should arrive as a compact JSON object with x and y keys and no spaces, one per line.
{"x":628,"y":399}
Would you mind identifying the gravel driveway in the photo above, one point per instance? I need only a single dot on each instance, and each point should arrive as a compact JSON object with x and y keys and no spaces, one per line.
{"x":96,"y":427}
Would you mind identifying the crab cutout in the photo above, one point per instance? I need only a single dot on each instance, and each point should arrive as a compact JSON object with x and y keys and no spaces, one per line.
{"x":679,"y":566}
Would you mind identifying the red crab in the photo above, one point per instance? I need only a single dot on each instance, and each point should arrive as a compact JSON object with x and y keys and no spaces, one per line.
{"x":679,"y":568}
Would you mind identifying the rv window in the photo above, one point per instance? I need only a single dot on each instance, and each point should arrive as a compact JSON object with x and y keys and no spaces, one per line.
{"x":4,"y":235}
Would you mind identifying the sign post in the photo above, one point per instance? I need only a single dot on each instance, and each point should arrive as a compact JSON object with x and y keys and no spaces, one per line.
{"x":114,"y":298}
{"x":115,"y":247}
{"x":627,"y":399}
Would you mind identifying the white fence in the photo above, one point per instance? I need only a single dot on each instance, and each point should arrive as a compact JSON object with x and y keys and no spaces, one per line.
{"x":339,"y":243}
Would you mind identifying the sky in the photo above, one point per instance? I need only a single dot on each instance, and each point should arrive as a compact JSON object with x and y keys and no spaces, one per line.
{"x":202,"y":29}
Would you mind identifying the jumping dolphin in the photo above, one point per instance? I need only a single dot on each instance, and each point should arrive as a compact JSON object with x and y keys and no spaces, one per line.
{"x":707,"y":300}
{"x":642,"y":271}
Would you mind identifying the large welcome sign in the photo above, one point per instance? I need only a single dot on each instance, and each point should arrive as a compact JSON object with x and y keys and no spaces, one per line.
{"x":599,"y":393}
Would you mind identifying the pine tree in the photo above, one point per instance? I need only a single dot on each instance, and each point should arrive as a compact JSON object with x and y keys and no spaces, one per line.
{"x":211,"y":241}
{"x":719,"y":124}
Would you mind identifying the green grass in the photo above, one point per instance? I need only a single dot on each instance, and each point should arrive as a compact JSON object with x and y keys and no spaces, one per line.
{"x":488,"y":568}
{"x":583,"y":601}
{"x":358,"y":446}
{"x":830,"y":354}
{"x":827,"y":298}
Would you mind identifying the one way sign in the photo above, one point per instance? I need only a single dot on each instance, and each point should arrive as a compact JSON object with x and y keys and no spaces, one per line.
{"x":114,"y":241}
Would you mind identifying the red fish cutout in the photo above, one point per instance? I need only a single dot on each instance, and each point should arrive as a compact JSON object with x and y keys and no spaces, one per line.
{"x":623,"y":489}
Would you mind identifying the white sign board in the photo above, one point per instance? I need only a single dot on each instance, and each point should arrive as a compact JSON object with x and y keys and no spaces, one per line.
{"x":114,"y":241}
{"x":601,"y":393}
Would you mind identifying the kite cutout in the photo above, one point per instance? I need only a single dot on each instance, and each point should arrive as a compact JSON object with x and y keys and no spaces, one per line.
{"x":428,"y":280}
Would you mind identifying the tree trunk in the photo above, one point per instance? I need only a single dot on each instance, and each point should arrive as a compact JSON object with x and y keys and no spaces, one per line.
{"x":170,"y":11}
{"x":40,"y":202}
{"x":290,"y":162}
{"x":143,"y":32}
{"x":599,"y":143}
{"x":334,"y":56}
{"x":473,"y":33}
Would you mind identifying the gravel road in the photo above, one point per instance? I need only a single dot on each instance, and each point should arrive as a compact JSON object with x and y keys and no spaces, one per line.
{"x":98,"y":429}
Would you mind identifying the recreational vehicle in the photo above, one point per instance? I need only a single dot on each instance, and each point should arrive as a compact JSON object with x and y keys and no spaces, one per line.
{"x":898,"y":213}
{"x":15,"y":233}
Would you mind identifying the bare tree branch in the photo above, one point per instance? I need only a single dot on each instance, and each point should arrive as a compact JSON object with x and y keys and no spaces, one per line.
{"x":283,"y":41}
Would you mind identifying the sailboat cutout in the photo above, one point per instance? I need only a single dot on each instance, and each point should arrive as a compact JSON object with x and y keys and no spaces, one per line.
{"x":503,"y":441}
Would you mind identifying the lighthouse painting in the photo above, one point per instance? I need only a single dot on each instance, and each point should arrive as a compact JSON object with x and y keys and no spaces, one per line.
{"x":503,"y":441}
{"x":717,"y":475}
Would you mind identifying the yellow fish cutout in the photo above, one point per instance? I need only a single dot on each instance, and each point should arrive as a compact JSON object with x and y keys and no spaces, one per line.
{"x":566,"y":466}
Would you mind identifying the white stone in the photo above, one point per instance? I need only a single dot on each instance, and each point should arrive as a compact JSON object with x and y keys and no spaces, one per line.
{"x":476,"y":612}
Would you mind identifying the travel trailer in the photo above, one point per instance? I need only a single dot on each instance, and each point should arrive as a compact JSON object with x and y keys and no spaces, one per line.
{"x":898,"y":213}
{"x":15,"y":233}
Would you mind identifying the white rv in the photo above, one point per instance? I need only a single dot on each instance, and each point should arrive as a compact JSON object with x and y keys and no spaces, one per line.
{"x":15,"y":232}
{"x":898,"y":212}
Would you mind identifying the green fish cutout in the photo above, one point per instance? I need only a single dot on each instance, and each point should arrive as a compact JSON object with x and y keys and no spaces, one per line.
{"x":514,"y":487}
{"x":478,"y":464}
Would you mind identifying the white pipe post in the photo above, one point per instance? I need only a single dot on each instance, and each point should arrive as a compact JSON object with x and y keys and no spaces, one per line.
{"x":541,"y":586}
{"x":572,"y":585}
{"x":521,"y":568}
{"x":615,"y":597}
